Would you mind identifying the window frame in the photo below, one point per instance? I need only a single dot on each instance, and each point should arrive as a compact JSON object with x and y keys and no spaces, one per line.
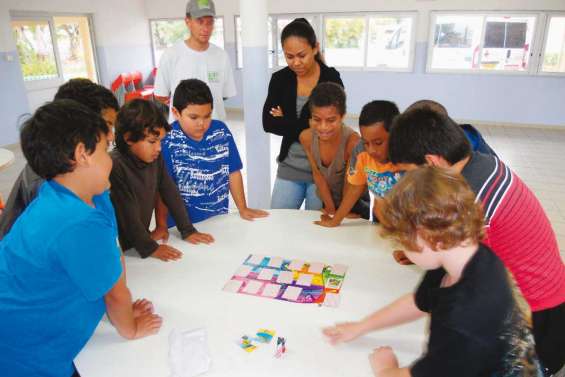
{"x":49,"y":17}
{"x":533,"y":52}
{"x":151,"y":20}
{"x":238,"y":42}
{"x":543,"y":40}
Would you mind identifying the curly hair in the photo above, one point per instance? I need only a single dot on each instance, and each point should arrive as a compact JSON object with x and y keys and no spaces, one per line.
{"x":136,"y":119}
{"x":434,"y":204}
{"x":49,"y":138}
{"x":94,"y":96}
{"x":328,"y":94}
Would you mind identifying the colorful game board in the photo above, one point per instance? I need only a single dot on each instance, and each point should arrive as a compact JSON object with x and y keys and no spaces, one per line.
{"x":289,"y":280}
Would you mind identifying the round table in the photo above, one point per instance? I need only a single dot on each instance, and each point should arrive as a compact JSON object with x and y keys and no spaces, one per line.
{"x":188,"y":295}
{"x":6,"y":158}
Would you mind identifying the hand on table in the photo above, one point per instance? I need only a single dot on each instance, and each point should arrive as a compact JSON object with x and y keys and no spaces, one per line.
{"x":382,"y":358}
{"x":160,"y":234}
{"x":251,"y":214}
{"x":166,"y":253}
{"x":401,"y":258}
{"x":147,"y":324}
{"x":142,"y":307}
{"x":343,"y":332}
{"x":197,"y":238}
{"x":276,"y":112}
{"x":327,"y":221}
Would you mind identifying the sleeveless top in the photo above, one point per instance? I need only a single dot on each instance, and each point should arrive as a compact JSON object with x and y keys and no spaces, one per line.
{"x":335,"y":172}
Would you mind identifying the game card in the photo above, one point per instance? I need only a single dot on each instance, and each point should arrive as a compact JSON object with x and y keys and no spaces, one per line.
{"x":233,"y":286}
{"x":304,"y":280}
{"x":271,"y":290}
{"x":252,"y":286}
{"x":243,"y":271}
{"x":266,"y":274}
{"x":285,"y":277}
{"x":339,"y":269}
{"x":291,"y":293}
{"x":316,"y":268}
{"x":256,"y":259}
{"x":296,"y":265}
{"x":331,"y":300}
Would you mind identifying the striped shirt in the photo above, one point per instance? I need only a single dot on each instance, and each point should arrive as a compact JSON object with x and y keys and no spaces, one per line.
{"x":518,"y":231}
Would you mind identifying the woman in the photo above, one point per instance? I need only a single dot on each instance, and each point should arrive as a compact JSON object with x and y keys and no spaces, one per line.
{"x":286,"y":113}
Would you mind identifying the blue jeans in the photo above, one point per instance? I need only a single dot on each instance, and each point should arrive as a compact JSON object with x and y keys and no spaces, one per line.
{"x":290,"y":195}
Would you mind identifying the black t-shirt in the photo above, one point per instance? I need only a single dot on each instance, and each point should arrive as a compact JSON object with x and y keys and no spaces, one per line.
{"x":476,"y":328}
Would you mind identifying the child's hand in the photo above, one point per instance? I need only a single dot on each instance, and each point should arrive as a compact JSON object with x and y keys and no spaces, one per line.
{"x":327,"y":221}
{"x":197,"y":237}
{"x":160,"y":234}
{"x":328,"y":211}
{"x":142,"y":307}
{"x":382,"y":358}
{"x":276,"y":112}
{"x":166,"y":253}
{"x":401,"y":258}
{"x":147,"y":324}
{"x":250,"y":213}
{"x":343,"y":332}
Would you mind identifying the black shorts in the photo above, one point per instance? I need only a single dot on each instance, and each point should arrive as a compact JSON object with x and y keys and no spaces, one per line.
{"x":549,"y":334}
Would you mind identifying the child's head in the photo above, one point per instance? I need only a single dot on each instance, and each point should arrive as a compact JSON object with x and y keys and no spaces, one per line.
{"x":430,"y":104}
{"x":424,"y":135}
{"x":327,"y":107}
{"x":375,"y":121}
{"x":64,"y":137}
{"x":140,"y":127}
{"x":192,"y":107}
{"x":431,"y":209}
{"x":96,"y":97}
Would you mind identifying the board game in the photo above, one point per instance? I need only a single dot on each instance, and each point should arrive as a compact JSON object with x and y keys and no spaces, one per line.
{"x":289,"y":280}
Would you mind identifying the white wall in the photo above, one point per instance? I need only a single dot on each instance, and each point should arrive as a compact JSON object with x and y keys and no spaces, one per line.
{"x":529,"y":99}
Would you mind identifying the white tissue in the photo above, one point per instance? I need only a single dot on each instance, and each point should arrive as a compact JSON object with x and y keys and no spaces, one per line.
{"x":188,"y":353}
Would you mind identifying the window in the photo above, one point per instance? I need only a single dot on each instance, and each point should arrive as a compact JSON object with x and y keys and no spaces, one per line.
{"x":554,"y":51}
{"x":390,"y":41}
{"x":239,"y":43}
{"x":166,"y":32}
{"x":55,"y":47}
{"x":477,"y":42}
{"x":344,"y":41}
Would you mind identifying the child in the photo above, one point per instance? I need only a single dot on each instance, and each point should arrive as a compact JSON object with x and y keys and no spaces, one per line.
{"x":369,"y":168}
{"x":328,"y":143}
{"x":98,"y":99}
{"x":138,"y":175}
{"x":517,"y":228}
{"x":202,"y":158}
{"x":476,"y":326}
{"x":60,"y":267}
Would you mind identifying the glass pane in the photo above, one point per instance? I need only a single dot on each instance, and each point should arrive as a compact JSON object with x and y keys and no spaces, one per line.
{"x":554,"y":58}
{"x":507,"y":43}
{"x":456,"y":43}
{"x":390,"y":40}
{"x":345,"y":41}
{"x":75,"y":47}
{"x":281,"y":23}
{"x":165,"y":33}
{"x":35,"y":49}
{"x":239,"y":43}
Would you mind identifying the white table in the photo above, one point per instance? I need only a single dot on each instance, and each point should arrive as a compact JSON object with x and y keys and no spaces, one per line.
{"x":6,"y":158}
{"x":188,"y":294}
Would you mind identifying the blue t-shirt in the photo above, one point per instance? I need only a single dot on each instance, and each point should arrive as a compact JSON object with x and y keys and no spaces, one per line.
{"x":201,"y":169}
{"x":57,"y":262}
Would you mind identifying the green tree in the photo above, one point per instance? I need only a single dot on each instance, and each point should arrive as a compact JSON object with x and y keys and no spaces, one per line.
{"x":344,"y":32}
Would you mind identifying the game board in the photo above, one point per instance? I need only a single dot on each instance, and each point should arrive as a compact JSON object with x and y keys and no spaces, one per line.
{"x":289,"y":280}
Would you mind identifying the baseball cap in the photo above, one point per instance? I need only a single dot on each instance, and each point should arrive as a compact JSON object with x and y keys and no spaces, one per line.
{"x":200,"y":8}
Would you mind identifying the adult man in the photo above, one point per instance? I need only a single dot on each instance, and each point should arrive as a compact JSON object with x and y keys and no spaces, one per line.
{"x":197,"y":58}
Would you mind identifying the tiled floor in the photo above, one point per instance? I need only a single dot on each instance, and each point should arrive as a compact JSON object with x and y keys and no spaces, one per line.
{"x":536,"y":155}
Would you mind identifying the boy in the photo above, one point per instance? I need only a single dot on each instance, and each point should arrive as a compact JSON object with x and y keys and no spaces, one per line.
{"x":476,"y":327}
{"x":517,"y":229}
{"x":371,"y":167}
{"x":138,"y":175}
{"x":202,"y":158}
{"x":60,"y":266}
{"x":98,"y":99}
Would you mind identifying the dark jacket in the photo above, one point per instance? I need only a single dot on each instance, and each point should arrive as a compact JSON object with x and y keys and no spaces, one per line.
{"x":282,"y":92}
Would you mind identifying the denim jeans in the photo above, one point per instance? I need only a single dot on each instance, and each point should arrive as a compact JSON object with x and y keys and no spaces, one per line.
{"x":290,"y":195}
